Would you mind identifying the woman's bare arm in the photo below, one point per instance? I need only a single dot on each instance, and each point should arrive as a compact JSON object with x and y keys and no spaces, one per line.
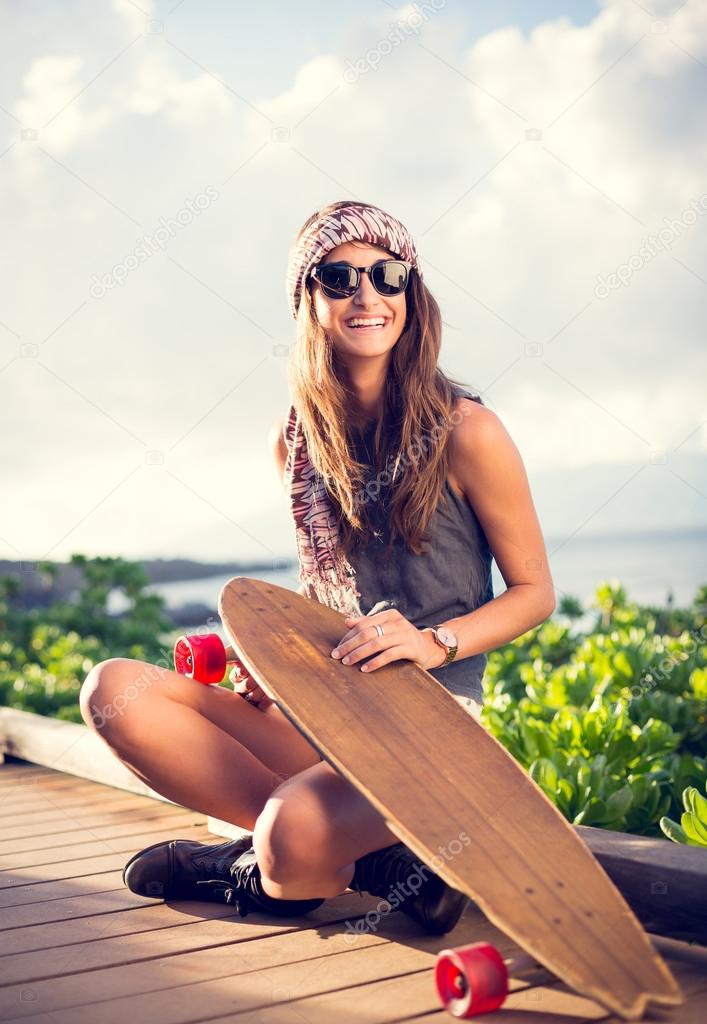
{"x":490,"y":469}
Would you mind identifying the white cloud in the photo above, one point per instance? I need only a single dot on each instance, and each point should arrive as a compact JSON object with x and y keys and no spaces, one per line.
{"x":513,"y":232}
{"x":133,"y":17}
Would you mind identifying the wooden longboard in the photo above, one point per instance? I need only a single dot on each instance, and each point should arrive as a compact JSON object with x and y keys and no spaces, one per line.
{"x":452,"y":793}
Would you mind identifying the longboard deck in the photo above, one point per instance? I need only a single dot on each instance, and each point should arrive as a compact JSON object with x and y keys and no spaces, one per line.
{"x":452,"y":793}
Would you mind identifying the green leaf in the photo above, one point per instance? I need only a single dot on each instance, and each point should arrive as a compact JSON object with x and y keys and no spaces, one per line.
{"x":688,"y":799}
{"x":544,"y":773}
{"x":690,"y":831}
{"x":623,"y":665}
{"x":672,"y":830}
{"x":699,"y":829}
{"x":592,"y":813}
{"x":619,"y":802}
{"x":699,"y":807}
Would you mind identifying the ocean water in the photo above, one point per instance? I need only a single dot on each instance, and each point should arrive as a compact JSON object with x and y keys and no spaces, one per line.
{"x":651,"y":567}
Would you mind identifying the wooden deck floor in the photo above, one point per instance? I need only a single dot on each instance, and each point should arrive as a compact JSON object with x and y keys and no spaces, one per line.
{"x":77,"y":947}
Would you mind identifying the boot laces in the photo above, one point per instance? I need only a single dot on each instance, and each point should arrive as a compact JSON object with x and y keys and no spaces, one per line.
{"x":222,"y":875}
{"x":229,"y":894}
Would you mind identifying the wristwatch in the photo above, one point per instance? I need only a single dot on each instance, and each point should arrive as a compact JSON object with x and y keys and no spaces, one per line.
{"x":446,"y":639}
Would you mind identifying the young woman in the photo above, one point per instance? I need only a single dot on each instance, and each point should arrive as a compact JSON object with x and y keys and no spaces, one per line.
{"x":402,"y":486}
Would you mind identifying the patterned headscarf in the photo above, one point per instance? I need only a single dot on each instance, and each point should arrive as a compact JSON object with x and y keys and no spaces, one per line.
{"x":350,"y":223}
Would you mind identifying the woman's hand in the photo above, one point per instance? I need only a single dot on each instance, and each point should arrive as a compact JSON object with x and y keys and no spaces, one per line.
{"x":246,"y":686}
{"x":400,"y":640}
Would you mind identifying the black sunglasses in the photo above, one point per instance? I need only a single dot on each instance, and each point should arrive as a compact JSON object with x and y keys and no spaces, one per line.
{"x":340,"y":280}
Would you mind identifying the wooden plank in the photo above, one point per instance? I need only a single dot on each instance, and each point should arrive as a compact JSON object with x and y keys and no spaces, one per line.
{"x":19,"y":886}
{"x":50,"y":778}
{"x":59,"y":841}
{"x":75,"y":799}
{"x":151,"y":916}
{"x":74,"y":805}
{"x":191,"y":934}
{"x":98,"y":897}
{"x":112,"y":796}
{"x":519,"y":1008}
{"x":27,"y":772}
{"x":665,"y":883}
{"x":26,"y":865}
{"x":69,"y":909}
{"x":63,"y":789}
{"x":376,"y":1001}
{"x":404,"y":998}
{"x":240,"y":976}
{"x":87,"y":815}
{"x":148,"y":916}
{"x":58,"y":823}
{"x":20,"y":896}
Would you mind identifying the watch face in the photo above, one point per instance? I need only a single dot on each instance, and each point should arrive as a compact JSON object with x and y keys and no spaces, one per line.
{"x":447,"y":637}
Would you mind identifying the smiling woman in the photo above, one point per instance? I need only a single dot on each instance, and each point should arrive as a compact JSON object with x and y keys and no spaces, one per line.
{"x":402,"y":486}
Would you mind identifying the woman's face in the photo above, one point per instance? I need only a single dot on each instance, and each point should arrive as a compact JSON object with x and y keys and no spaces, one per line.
{"x":335,"y":315}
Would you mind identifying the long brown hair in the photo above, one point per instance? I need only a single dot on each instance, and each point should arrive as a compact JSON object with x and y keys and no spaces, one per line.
{"x":412,"y":434}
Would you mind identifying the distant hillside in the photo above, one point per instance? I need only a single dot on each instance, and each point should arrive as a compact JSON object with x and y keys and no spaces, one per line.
{"x":34,"y":593}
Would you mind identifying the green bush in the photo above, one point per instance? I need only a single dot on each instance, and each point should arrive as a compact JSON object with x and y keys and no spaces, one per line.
{"x":46,"y":653}
{"x":611,"y":724}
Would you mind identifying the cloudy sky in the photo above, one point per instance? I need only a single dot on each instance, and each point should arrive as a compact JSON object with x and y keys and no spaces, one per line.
{"x":549,"y":159}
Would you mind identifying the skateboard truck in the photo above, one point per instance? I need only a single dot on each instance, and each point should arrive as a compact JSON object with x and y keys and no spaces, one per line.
{"x":473,"y":979}
{"x":203,"y":658}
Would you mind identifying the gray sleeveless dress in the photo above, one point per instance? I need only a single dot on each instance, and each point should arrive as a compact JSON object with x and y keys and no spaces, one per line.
{"x":451,"y":579}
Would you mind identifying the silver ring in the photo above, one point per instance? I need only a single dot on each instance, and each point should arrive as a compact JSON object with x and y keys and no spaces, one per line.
{"x":379,"y":628}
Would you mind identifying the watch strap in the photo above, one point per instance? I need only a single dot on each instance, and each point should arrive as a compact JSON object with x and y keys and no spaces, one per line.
{"x":451,"y":651}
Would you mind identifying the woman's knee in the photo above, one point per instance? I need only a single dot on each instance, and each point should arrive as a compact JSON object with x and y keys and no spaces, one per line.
{"x":111,"y":693}
{"x":293,"y":834}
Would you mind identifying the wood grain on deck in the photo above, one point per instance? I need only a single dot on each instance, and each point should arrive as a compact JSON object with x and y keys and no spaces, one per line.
{"x":77,"y":946}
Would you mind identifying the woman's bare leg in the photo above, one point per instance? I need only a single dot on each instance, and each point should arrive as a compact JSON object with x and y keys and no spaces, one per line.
{"x":311,"y":830}
{"x":201,"y":746}
{"x":206,"y":748}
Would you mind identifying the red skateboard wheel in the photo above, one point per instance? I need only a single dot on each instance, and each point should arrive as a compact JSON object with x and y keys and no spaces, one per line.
{"x":202,"y":658}
{"x":471,"y":979}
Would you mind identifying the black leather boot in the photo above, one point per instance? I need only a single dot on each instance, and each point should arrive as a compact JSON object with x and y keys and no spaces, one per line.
{"x":186,"y":870}
{"x":410,"y":886}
